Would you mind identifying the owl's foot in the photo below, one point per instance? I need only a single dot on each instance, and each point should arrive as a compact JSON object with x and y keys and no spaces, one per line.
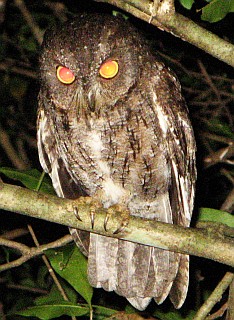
{"x":93,"y":206}
{"x":122,"y":212}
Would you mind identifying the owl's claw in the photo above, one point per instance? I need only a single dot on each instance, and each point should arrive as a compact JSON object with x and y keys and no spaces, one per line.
{"x":92,"y":217}
{"x":93,"y":207}
{"x":105,"y":221}
{"x":122,"y":212}
{"x":120,"y":229}
{"x":76,"y":212}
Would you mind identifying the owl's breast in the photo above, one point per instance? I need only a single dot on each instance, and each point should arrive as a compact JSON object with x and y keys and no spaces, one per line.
{"x":118,"y":157}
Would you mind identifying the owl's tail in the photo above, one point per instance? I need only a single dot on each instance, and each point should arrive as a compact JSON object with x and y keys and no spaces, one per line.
{"x":137,"y":272}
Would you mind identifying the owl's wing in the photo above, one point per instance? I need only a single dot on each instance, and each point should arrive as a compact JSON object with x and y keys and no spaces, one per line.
{"x":50,"y":159}
{"x":179,"y":142}
{"x":54,"y":165}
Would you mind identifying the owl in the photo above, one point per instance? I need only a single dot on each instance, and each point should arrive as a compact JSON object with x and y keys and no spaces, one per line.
{"x":113,"y":125}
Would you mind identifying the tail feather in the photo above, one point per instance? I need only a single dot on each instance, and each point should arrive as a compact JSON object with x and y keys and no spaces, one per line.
{"x":135,"y":271}
{"x":102,"y":271}
{"x":179,"y":288}
{"x":139,"y":303}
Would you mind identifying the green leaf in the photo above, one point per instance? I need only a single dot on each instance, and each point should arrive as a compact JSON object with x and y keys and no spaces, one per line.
{"x":216,"y":10}
{"x":55,"y":295}
{"x":187,"y":4}
{"x":213,"y":215}
{"x":232,"y":6}
{"x":29,"y":178}
{"x":51,"y":311}
{"x":103,"y":311}
{"x":71,"y":265}
{"x":173,"y":315}
{"x":221,"y":128}
{"x":120,"y":14}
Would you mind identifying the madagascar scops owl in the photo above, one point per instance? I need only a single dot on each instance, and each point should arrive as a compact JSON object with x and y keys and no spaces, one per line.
{"x":112,"y":124}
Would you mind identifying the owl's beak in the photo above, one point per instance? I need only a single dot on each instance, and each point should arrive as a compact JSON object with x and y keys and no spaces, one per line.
{"x":92,"y":101}
{"x":85,"y":101}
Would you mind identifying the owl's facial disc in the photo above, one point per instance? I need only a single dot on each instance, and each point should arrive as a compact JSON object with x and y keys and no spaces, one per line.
{"x":93,"y":68}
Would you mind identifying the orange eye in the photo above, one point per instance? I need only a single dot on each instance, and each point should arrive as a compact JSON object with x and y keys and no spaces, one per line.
{"x":65,"y":75}
{"x":109,"y":69}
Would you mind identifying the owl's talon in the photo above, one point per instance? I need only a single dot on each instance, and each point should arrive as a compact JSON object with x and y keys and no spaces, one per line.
{"x":76,"y":213}
{"x":105,"y":221}
{"x":92,"y":216}
{"x":120,"y":229}
{"x":123,"y":217}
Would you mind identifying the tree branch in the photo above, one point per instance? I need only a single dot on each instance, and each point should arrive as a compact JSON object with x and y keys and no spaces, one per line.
{"x":165,"y":236}
{"x":180,"y":26}
{"x":214,"y":297}
{"x":27,"y":252}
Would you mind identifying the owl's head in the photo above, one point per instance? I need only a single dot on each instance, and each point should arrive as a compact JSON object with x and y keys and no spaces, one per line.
{"x":91,"y":62}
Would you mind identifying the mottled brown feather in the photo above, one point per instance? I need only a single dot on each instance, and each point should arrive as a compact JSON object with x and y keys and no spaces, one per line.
{"x":127,"y":141}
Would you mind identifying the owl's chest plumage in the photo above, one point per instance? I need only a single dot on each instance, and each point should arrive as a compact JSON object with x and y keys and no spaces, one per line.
{"x":113,"y":153}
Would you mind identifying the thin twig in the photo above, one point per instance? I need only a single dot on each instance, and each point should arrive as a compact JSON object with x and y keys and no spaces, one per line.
{"x":9,"y":67}
{"x":219,"y":313}
{"x":10,"y":151}
{"x":27,"y":252}
{"x":25,"y":288}
{"x":47,"y":263}
{"x":30,"y":21}
{"x":228,"y":204}
{"x":215,"y":297}
{"x":209,"y":80}
{"x":16,"y":233}
{"x":230,"y":311}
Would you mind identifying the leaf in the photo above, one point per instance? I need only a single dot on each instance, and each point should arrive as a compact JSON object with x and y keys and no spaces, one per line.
{"x":173,"y":315}
{"x":187,"y":4}
{"x":71,"y":265}
{"x":51,"y":311}
{"x":55,"y":296}
{"x":216,"y":10}
{"x":120,"y":14}
{"x":103,"y":311}
{"x":29,"y":178}
{"x":217,"y":126}
{"x":208,"y":214}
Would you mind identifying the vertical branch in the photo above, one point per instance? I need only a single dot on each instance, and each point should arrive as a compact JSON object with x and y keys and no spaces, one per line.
{"x":230,"y":312}
{"x":214,"y":297}
{"x":50,"y":269}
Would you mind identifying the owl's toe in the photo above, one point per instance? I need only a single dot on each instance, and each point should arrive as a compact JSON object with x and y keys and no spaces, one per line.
{"x":91,"y":206}
{"x":76,"y":213}
{"x":123,"y":215}
{"x":92,"y":215}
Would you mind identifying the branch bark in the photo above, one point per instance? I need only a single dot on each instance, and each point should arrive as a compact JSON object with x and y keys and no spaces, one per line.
{"x":192,"y":241}
{"x":27,"y":252}
{"x":168,"y":20}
